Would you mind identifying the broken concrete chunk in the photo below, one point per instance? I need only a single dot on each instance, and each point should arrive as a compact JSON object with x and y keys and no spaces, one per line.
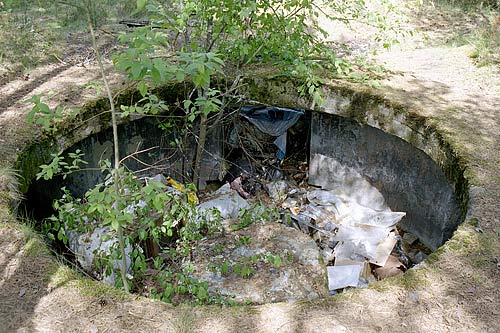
{"x":158,"y":178}
{"x":343,"y":276}
{"x":409,"y":238}
{"x":417,"y":256}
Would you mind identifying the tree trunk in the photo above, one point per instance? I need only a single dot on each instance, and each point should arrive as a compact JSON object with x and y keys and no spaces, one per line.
{"x":202,"y":138}
{"x":116,"y":178}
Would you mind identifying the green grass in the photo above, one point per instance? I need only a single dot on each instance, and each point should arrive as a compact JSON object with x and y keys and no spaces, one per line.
{"x":485,"y":40}
{"x":33,"y":33}
{"x":485,"y":43}
{"x":467,"y":5}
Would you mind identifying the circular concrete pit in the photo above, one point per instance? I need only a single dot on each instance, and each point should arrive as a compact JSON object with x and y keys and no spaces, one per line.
{"x":362,"y":165}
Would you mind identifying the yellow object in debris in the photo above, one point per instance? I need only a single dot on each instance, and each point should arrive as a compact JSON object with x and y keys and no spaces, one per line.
{"x":178,"y":186}
{"x":191,"y":196}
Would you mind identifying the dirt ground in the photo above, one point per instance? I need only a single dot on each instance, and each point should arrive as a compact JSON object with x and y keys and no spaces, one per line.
{"x":455,"y":290}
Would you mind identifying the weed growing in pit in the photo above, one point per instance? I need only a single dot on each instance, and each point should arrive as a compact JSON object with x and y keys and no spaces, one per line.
{"x":59,"y":165}
{"x":255,"y":214}
{"x":244,"y":240}
{"x":148,"y":213}
{"x":246,"y":267}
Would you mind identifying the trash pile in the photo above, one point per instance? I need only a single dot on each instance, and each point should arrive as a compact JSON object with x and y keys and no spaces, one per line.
{"x":342,"y":212}
{"x":348,"y":219}
{"x":341,"y":221}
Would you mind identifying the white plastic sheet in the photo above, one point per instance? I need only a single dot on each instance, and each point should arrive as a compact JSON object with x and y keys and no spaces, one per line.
{"x":343,"y":276}
{"x":359,"y":211}
{"x":227,"y":201}
{"x":329,"y":174}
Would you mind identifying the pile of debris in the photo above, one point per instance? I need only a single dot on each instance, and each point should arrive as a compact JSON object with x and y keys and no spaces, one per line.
{"x":342,"y":212}
{"x":337,"y":219}
{"x":349,"y":220}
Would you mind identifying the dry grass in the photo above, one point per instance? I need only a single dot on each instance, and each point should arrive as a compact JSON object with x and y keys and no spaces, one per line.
{"x":9,"y":184}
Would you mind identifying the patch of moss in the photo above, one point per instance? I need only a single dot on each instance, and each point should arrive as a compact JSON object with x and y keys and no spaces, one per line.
{"x":380,"y":286}
{"x":412,"y":279}
{"x":91,"y":288}
{"x":60,"y":276}
{"x":29,"y":160}
{"x":35,"y":247}
{"x":434,"y":256}
{"x":478,"y":247}
{"x":63,"y":275}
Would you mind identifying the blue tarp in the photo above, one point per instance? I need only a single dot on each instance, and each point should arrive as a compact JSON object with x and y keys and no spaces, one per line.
{"x":274,"y":121}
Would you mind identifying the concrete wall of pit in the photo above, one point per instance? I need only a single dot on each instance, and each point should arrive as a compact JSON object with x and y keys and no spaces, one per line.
{"x":402,"y":155}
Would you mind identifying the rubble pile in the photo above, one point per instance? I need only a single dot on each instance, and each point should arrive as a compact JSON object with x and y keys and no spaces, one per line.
{"x":333,"y":226}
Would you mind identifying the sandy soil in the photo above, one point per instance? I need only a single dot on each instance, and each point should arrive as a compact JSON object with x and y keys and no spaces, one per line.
{"x":457,"y":291}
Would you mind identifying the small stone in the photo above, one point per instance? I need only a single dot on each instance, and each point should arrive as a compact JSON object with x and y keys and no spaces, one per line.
{"x":409,"y":238}
{"x":22,"y":292}
{"x":419,"y":257}
{"x":413,"y":297}
{"x":158,"y":178}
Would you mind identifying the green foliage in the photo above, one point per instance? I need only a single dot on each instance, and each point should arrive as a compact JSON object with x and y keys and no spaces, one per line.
{"x":58,"y":165}
{"x":41,"y":114}
{"x":255,"y":214}
{"x":148,"y":212}
{"x":244,"y":220}
{"x":212,"y":36}
{"x":244,"y":240}
{"x":245,"y":267}
{"x":275,"y":260}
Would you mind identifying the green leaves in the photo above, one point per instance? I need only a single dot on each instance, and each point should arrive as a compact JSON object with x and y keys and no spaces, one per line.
{"x":58,"y":165}
{"x":141,"y":4}
{"x":41,"y":114}
{"x":200,"y":66}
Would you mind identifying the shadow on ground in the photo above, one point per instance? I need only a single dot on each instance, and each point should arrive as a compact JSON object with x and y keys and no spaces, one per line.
{"x":24,"y":279}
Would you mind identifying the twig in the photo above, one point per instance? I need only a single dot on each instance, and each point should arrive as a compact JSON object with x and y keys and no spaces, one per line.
{"x":59,"y":59}
{"x":136,"y":153}
{"x":116,"y":152}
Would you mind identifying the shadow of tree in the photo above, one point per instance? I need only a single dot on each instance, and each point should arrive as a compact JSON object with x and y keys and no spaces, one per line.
{"x":24,"y":90}
{"x":24,"y":280}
